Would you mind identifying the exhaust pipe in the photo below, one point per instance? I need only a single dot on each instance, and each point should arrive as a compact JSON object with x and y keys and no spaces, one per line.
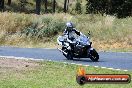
{"x":62,"y":51}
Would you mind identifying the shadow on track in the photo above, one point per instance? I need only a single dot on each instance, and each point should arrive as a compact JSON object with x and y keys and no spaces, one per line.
{"x":83,"y":60}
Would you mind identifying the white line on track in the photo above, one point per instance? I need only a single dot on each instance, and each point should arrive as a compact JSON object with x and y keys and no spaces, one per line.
{"x":96,"y":66}
{"x":86,"y":65}
{"x":125,"y":70}
{"x":79,"y":64}
{"x":73,"y":63}
{"x":65,"y":62}
{"x":49,"y":60}
{"x":110,"y":68}
{"x":103,"y":67}
{"x":118,"y":69}
{"x":58,"y":61}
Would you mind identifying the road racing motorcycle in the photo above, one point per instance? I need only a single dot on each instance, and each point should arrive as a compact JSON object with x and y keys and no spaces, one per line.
{"x":80,"y":47}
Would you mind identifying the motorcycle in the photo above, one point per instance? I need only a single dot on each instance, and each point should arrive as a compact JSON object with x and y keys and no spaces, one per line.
{"x":80,"y":47}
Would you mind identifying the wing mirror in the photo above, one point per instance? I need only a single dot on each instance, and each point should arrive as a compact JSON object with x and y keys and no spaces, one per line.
{"x":89,"y":33}
{"x":90,"y":43}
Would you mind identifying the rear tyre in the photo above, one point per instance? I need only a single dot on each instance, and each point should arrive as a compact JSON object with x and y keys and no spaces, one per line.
{"x":94,"y":55}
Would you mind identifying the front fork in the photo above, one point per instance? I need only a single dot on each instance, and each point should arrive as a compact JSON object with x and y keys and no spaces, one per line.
{"x":62,"y":51}
{"x":89,"y":51}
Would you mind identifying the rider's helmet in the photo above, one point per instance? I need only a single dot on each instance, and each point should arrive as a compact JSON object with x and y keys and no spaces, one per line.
{"x":69,"y":26}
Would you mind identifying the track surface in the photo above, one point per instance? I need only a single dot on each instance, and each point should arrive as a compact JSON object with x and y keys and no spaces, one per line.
{"x":107,"y":59}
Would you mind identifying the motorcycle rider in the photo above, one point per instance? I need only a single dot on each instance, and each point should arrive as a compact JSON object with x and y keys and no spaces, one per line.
{"x":71,"y":31}
{"x":79,"y":47}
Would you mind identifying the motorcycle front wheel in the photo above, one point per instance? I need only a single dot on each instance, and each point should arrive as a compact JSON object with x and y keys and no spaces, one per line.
{"x":69,"y":55}
{"x":94,"y":55}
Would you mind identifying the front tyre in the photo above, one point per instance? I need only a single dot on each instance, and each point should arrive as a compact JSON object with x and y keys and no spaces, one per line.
{"x":94,"y":55}
{"x":69,"y":54}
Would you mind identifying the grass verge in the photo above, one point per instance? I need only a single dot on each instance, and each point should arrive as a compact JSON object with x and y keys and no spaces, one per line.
{"x":45,"y":74}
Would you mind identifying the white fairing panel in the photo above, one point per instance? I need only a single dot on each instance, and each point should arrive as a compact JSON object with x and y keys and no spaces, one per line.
{"x":59,"y":40}
{"x":82,"y":39}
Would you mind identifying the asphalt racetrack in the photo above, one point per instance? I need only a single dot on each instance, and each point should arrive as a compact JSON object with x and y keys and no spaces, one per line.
{"x":116,"y":60}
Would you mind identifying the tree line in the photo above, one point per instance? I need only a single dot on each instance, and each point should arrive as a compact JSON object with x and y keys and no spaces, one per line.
{"x":119,"y":8}
{"x":38,"y":5}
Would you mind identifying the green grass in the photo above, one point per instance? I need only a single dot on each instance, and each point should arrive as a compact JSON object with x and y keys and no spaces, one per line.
{"x":54,"y":75}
